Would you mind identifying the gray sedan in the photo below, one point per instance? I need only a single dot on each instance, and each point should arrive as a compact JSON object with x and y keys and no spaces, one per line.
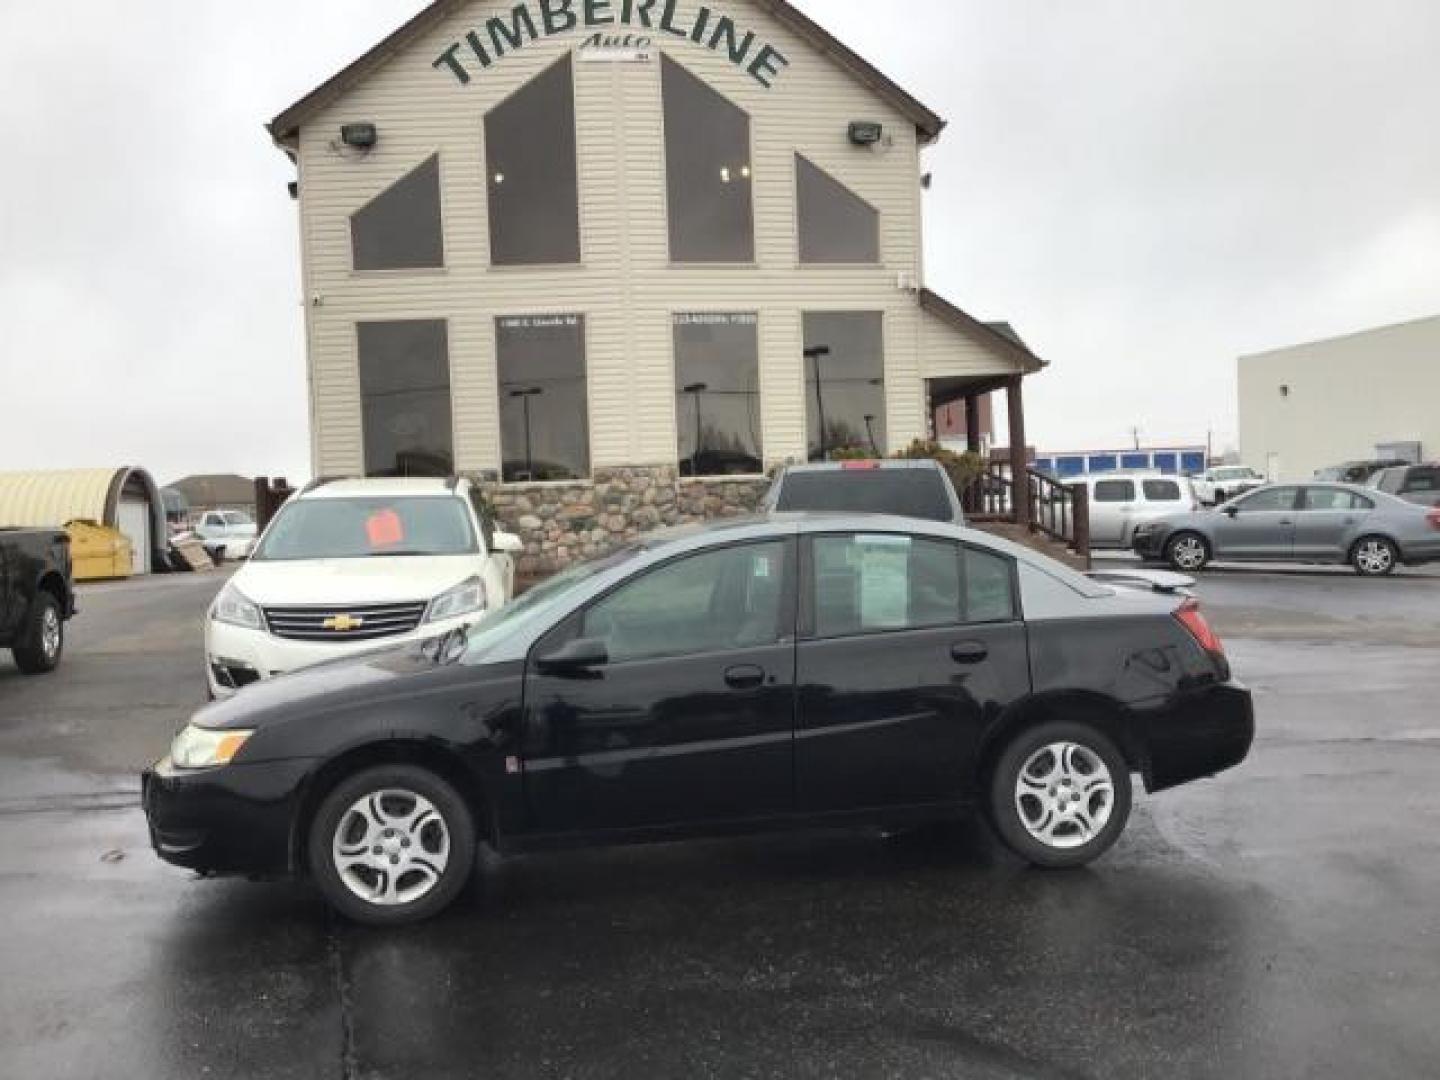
{"x":1308,"y":523}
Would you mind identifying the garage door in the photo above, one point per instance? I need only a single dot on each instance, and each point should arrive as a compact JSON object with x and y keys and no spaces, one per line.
{"x":135,"y":523}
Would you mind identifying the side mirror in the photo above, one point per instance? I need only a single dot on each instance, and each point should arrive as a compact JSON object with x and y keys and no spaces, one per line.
{"x":508,"y":543}
{"x":1231,"y":512}
{"x":575,"y":657}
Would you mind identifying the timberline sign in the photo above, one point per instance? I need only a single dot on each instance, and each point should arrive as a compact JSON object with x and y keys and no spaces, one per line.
{"x":649,"y":20}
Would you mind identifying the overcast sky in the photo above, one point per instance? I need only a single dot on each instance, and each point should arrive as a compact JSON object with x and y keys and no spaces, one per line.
{"x":1147,"y":189}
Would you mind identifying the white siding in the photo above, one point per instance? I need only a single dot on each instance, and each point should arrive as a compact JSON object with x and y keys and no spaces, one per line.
{"x":626,"y":286}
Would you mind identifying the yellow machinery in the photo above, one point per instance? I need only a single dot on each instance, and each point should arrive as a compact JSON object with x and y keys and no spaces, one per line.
{"x":98,"y":551}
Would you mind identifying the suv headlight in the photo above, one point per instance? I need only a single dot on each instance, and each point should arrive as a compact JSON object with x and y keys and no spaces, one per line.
{"x":234,"y":607}
{"x":464,"y":599}
{"x":203,"y":748}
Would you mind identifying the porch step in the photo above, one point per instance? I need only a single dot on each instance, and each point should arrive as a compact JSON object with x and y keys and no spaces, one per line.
{"x":1036,"y":541}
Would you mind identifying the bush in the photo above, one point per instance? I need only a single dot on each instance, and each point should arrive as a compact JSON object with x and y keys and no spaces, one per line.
{"x":964,"y":469}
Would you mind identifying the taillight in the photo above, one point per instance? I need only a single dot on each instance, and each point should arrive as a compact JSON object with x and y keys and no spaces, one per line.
{"x":1198,"y":628}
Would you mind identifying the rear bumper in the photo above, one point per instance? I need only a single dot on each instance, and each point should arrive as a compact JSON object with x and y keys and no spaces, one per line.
{"x":1202,"y":733}
{"x":235,"y":819}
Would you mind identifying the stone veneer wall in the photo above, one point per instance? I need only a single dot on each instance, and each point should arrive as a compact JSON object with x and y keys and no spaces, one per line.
{"x":563,"y":522}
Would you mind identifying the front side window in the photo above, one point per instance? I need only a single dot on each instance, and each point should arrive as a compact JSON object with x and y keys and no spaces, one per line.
{"x":867,"y":584}
{"x":405,"y":398}
{"x":707,"y":171}
{"x":717,"y":394}
{"x":400,"y":229}
{"x":325,"y":528}
{"x":1114,"y":491}
{"x":1270,"y":499}
{"x":845,"y":383}
{"x":531,"y":175}
{"x":544,"y":425}
{"x":716,"y":601}
{"x":836,"y":225}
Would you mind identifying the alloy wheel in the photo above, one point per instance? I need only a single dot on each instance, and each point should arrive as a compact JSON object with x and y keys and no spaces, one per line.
{"x":1064,"y":794}
{"x":1189,"y":552}
{"x":1374,"y":557}
{"x":391,"y":847}
{"x":50,"y":633}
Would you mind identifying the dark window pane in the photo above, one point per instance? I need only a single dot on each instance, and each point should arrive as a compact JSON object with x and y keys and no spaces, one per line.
{"x":405,"y":398}
{"x":544,"y":427}
{"x":836,"y":225}
{"x":846,"y":386}
{"x":1162,"y":491}
{"x":400,"y":228}
{"x":989,"y":587}
{"x":917,"y":493}
{"x":707,"y":168}
{"x":717,"y":385}
{"x":531,"y":174}
{"x":1114,"y":491}
{"x":716,"y":601}
{"x":1423,"y":480}
{"x":868,"y":584}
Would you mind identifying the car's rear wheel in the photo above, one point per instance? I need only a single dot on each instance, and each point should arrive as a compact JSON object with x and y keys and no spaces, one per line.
{"x":392,"y":844}
{"x":1187,"y":552}
{"x":1060,"y":794}
{"x":44,"y":639}
{"x":1374,"y":556}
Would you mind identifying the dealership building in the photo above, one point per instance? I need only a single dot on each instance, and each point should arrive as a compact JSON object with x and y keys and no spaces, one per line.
{"x":620,"y":258}
{"x":1366,"y":396}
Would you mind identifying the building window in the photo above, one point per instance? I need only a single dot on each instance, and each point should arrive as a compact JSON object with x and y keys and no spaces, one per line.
{"x":836,"y":225}
{"x":707,"y":166}
{"x":531,"y":174}
{"x":400,"y":228}
{"x":405,"y":398}
{"x":844,"y":383}
{"x":544,"y":425}
{"x":717,"y":394}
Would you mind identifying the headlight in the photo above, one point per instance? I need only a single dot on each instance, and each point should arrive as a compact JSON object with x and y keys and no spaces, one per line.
{"x":202,"y":748}
{"x":463,"y":599}
{"x":232,"y":607}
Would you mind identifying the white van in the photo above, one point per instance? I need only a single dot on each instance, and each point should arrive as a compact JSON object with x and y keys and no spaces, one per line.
{"x":1121,"y":501}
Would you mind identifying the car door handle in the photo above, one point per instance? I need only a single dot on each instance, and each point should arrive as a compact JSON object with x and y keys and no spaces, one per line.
{"x":744,"y":677}
{"x":968,"y":652}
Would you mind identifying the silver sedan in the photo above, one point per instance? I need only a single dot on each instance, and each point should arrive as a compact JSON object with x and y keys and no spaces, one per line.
{"x":1307,"y":523}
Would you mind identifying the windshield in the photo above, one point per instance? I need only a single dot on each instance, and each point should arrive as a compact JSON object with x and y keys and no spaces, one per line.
{"x":368,"y":528}
{"x":916,"y":493}
{"x":548,"y":598}
{"x":234,"y":517}
{"x":1234,"y":474}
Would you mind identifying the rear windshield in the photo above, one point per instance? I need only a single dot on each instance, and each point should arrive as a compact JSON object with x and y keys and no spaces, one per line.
{"x":916,"y":493}
{"x":365,"y":528}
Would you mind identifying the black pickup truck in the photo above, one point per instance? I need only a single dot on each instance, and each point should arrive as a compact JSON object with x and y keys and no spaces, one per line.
{"x":37,"y":596}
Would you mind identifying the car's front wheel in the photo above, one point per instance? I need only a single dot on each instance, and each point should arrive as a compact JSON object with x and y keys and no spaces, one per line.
{"x":1187,"y":552}
{"x":392,"y":844}
{"x":44,"y":639}
{"x":1374,"y":556}
{"x":1060,"y":794}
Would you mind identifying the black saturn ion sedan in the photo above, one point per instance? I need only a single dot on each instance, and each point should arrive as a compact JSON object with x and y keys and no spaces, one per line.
{"x":796,"y":670}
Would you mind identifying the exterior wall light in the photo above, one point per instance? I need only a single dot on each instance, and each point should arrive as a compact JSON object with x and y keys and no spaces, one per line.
{"x":359,"y":136}
{"x":866,"y":132}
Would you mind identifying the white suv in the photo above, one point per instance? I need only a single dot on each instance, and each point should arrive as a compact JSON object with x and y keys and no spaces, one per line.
{"x":1223,"y":483}
{"x":351,"y":565}
{"x":1119,"y":502}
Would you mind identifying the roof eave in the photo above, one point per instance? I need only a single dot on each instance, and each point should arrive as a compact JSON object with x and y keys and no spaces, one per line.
{"x":943,"y":309}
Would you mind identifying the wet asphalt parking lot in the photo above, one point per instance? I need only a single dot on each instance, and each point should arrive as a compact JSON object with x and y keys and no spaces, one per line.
{"x":1281,"y":920}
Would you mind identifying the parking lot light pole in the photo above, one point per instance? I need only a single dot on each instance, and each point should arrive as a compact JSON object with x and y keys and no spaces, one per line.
{"x":815,"y":353}
{"x":525,"y":396}
{"x":695,"y":390}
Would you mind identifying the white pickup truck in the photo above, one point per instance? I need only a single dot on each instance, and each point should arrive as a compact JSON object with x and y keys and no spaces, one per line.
{"x":1224,"y":482}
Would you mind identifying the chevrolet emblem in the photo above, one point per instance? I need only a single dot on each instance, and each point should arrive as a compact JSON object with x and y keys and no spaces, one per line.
{"x":343,"y":623}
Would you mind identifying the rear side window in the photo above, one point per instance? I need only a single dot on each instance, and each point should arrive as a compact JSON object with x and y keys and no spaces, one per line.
{"x":1114,"y":491}
{"x":917,"y":493}
{"x":1335,"y":499}
{"x":1423,"y":480}
{"x":1161,"y":491}
{"x":989,"y":587}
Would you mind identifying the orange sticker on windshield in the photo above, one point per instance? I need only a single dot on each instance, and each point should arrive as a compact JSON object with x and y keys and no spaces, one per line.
{"x":384,"y":529}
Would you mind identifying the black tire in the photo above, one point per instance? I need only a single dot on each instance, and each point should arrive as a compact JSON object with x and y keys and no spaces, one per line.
{"x":337,"y":811}
{"x":1179,"y":549}
{"x":1374,"y":556}
{"x":1219,"y":496}
{"x":1068,"y":826}
{"x":42,"y":646}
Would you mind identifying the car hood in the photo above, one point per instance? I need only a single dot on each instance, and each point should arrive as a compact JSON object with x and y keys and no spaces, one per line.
{"x":378,"y":580}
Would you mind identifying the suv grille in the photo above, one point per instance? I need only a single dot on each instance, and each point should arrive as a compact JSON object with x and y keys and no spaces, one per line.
{"x":359,"y":622}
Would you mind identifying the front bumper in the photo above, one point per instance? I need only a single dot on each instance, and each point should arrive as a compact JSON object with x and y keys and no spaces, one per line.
{"x":1148,"y":541}
{"x":236,"y":819}
{"x":1200,"y":733}
{"x":236,"y":656}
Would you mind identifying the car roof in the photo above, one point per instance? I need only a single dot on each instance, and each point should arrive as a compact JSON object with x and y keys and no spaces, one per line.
{"x":379,"y":487}
{"x":862,"y":465}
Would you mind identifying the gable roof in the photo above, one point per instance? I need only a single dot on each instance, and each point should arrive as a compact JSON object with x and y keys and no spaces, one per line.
{"x":284,"y":128}
{"x":999,"y":336}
